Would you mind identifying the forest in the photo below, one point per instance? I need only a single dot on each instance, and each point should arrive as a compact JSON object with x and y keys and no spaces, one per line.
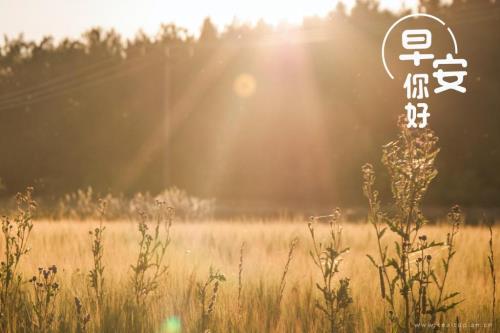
{"x":152,"y":112}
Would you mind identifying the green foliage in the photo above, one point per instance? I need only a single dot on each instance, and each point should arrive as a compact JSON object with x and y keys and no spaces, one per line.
{"x":410,"y":275}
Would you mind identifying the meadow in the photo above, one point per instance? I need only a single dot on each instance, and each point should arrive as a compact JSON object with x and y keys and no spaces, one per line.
{"x":195,"y":247}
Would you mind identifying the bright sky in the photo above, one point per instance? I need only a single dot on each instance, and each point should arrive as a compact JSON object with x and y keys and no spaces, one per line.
{"x":61,"y":18}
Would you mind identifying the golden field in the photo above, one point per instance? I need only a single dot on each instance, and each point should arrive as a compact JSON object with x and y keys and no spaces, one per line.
{"x":175,"y":307}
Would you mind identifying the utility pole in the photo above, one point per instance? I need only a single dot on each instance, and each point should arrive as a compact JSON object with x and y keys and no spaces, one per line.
{"x":167,"y":119}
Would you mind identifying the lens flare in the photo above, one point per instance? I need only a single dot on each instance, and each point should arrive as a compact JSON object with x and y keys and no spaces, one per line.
{"x":244,"y":86}
{"x":171,"y":325}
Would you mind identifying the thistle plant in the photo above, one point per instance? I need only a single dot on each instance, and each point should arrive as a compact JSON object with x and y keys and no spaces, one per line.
{"x":327,"y":258}
{"x":291,"y":249}
{"x":208,"y":299}
{"x":240,"y":281}
{"x":491,"y":263}
{"x":96,"y":274}
{"x":444,"y":301}
{"x":45,"y":290}
{"x":150,"y":267}
{"x":15,"y":234}
{"x":82,"y":317}
{"x":410,"y":277}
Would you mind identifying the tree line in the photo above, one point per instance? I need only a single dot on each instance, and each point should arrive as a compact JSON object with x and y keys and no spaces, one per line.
{"x":147,"y":113}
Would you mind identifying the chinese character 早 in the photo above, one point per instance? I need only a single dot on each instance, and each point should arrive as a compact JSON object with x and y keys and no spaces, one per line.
{"x":412,"y":114}
{"x":416,"y":39}
{"x":442,"y":75}
{"x":416,"y":86}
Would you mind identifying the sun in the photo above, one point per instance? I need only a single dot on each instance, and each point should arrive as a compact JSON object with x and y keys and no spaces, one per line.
{"x":272,"y":12}
{"x":292,"y":11}
{"x":244,"y":85}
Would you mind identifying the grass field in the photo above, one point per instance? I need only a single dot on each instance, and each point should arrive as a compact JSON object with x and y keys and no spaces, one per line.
{"x":175,"y":307}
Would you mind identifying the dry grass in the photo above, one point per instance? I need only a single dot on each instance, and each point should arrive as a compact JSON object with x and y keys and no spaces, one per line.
{"x":197,"y":246}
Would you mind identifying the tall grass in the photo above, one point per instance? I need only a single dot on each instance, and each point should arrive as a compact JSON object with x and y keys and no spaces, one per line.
{"x":281,"y":290}
{"x":197,"y":246}
{"x":240,"y":282}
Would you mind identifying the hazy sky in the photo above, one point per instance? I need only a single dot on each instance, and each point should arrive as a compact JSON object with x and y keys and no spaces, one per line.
{"x":61,"y":18}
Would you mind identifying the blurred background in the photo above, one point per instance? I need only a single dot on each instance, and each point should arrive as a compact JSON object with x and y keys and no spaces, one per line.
{"x":265,"y":115}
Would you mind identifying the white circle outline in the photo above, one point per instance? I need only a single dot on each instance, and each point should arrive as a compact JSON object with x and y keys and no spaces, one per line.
{"x":404,"y":18}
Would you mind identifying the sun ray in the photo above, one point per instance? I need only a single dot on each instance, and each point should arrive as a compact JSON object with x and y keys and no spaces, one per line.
{"x":180,"y":111}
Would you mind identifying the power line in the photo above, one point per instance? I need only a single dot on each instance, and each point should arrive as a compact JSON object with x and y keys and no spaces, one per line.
{"x":93,"y":81}
{"x":57,"y":79}
{"x":64,"y":80}
{"x":99,"y":73}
